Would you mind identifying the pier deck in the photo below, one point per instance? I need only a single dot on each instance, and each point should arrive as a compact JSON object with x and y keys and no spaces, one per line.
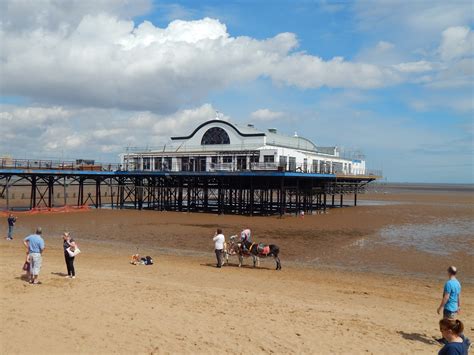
{"x":228,"y":192}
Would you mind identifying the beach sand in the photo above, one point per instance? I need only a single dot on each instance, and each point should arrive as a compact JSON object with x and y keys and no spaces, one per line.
{"x":343,"y":288}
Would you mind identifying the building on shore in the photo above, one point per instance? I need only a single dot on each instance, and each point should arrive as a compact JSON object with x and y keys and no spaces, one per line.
{"x":219,"y":145}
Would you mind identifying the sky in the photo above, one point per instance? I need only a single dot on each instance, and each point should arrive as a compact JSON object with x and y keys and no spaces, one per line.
{"x":393,"y":79}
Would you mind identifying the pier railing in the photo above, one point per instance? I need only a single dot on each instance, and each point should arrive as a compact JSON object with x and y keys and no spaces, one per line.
{"x":41,"y":164}
{"x":196,"y":166}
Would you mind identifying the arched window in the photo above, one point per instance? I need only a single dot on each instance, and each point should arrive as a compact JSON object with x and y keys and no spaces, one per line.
{"x":215,"y":135}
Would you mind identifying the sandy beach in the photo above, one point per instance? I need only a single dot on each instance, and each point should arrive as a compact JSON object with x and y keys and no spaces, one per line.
{"x":350,"y":284}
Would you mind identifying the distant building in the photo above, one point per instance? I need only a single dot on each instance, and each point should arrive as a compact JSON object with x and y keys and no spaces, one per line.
{"x":218,"y":145}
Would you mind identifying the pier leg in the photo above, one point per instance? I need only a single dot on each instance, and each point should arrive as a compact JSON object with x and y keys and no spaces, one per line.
{"x":251,"y":196}
{"x":33,"y":193}
{"x":50,"y":192}
{"x":355,"y":198}
{"x":342,"y":200}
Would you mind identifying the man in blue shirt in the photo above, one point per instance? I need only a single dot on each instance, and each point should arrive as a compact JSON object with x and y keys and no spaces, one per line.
{"x":35,"y":245}
{"x":451,"y":301}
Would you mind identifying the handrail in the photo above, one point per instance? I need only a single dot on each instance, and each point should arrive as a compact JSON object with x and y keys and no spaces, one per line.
{"x":195,"y":165}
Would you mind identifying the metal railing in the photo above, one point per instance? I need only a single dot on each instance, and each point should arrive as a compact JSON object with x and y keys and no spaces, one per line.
{"x":40,"y":164}
{"x":35,"y":164}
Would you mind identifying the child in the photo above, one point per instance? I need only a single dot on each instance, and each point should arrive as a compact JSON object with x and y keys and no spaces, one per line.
{"x":26,"y":265}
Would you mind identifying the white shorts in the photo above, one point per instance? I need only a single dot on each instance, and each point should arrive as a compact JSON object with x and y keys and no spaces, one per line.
{"x":35,"y":263}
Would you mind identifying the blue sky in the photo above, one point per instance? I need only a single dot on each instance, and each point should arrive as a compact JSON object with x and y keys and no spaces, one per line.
{"x":393,"y":79}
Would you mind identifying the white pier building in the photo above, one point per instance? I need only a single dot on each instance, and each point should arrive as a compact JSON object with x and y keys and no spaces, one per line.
{"x":219,"y":145}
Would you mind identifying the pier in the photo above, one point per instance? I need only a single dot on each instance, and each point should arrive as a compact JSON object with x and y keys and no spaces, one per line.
{"x":50,"y":184}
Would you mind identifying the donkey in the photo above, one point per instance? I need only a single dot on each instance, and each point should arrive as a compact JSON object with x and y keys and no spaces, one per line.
{"x":262,"y":251}
{"x":234,"y":247}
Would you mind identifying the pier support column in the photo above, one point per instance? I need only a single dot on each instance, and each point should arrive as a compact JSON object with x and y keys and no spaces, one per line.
{"x":98,"y":197}
{"x":251,"y":196}
{"x":50,"y":191}
{"x":342,"y":200}
{"x":355,"y":198}
{"x":33,"y":192}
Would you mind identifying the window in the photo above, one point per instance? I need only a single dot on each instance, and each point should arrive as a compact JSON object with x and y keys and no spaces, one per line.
{"x":268,"y":158}
{"x":337,"y":167}
{"x":158,"y":163}
{"x":214,"y":160}
{"x":283,"y":160}
{"x":185,"y":164}
{"x":215,"y":135}
{"x":292,"y":163}
{"x":254,"y":159}
{"x":146,"y":163}
{"x":227,"y":159}
{"x":167,"y":163}
{"x":241,"y":162}
{"x":315,"y":166}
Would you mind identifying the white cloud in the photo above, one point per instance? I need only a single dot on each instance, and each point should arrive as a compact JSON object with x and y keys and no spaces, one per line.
{"x":413,"y":23}
{"x":63,"y":16}
{"x":456,"y":42}
{"x":97,"y":133}
{"x":414,"y":67}
{"x":264,"y":114}
{"x":461,"y":104}
{"x":97,"y":59}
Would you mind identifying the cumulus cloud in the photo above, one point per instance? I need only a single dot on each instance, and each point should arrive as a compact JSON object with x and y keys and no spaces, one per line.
{"x":456,"y":42}
{"x":53,"y":15}
{"x":90,"y":132}
{"x":264,"y":114}
{"x":100,"y":59}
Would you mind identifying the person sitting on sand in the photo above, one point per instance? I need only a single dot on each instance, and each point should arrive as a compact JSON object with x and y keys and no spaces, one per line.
{"x":219,"y":241}
{"x":451,"y":301}
{"x":451,"y":329}
{"x":135,"y":260}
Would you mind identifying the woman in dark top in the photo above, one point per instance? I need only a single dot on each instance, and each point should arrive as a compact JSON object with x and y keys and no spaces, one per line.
{"x":451,"y":329}
{"x":67,"y":243}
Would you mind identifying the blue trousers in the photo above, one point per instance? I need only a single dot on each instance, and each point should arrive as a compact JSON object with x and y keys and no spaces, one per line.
{"x":10,"y":232}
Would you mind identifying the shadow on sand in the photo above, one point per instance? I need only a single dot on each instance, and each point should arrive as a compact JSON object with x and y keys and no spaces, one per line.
{"x":62,"y":274}
{"x":418,"y":337}
{"x":237,"y":266}
{"x":23,"y":277}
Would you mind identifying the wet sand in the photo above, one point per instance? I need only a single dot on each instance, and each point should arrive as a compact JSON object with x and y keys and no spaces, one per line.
{"x":345,"y":287}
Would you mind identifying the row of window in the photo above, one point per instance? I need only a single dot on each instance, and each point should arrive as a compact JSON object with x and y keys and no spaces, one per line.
{"x":200,"y":163}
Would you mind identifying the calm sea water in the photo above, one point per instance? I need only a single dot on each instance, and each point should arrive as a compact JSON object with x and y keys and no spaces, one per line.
{"x":443,"y":238}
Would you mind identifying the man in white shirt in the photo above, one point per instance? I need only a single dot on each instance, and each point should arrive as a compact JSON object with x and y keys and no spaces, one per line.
{"x":219,"y":241}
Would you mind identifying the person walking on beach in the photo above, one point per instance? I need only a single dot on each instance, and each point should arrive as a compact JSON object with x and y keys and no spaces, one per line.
{"x":11,"y":224}
{"x":68,"y":242}
{"x":451,"y":301}
{"x":34,"y":243}
{"x":455,"y":344}
{"x":219,"y":241}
